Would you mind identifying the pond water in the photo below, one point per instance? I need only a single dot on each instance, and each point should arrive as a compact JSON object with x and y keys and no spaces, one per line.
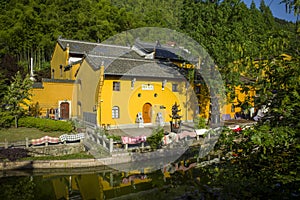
{"x":178,"y":180}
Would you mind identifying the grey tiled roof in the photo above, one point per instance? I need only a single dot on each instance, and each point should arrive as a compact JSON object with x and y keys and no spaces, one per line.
{"x":75,"y":46}
{"x":162,"y":51}
{"x":41,"y":86}
{"x":134,"y":67}
{"x":57,"y":80}
{"x":142,"y":69}
{"x":120,"y":60}
{"x":37,"y":85}
{"x":82,"y":47}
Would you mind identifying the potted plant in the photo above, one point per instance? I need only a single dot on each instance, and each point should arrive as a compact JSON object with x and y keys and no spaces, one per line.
{"x":176,"y":119}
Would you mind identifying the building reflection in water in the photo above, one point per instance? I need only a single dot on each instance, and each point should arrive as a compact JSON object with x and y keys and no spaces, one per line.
{"x":111,"y":184}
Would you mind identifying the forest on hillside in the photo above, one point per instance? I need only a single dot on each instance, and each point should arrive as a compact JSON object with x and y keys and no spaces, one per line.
{"x":228,"y":30}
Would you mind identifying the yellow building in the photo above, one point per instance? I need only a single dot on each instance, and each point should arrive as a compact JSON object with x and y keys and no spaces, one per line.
{"x":116,"y":86}
{"x":121,"y":86}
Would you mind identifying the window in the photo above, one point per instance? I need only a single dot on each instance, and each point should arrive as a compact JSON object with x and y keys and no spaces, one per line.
{"x":52,"y":73}
{"x":116,"y":86}
{"x":60,"y":67}
{"x":133,"y":82}
{"x":51,"y":111}
{"x":115,"y":112}
{"x":175,"y":87}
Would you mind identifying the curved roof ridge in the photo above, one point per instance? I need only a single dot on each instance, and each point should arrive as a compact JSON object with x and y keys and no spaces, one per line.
{"x":122,"y":58}
{"x":92,"y":43}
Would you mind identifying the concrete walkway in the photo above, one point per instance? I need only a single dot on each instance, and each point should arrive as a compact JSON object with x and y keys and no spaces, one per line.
{"x":149,"y":129}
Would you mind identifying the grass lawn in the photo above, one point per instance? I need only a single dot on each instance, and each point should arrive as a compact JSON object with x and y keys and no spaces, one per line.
{"x":81,"y":155}
{"x":18,"y":134}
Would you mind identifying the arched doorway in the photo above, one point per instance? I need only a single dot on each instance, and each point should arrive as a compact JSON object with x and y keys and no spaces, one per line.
{"x":147,"y":112}
{"x":64,"y":110}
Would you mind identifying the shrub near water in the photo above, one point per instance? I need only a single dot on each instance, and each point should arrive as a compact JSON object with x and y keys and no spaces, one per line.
{"x":46,"y":125}
{"x":155,"y":140}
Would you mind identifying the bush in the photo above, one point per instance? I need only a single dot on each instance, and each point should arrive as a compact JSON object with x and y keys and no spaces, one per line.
{"x":46,"y":125}
{"x":199,"y":123}
{"x":114,"y":137}
{"x":155,"y":139}
{"x":6,"y":120}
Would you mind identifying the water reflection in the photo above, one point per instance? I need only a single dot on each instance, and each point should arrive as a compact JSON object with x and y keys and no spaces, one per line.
{"x":172,"y":180}
{"x":102,"y":183}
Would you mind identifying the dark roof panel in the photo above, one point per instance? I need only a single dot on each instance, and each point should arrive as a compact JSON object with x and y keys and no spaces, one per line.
{"x":123,"y":60}
{"x":134,"y":67}
{"x":82,"y":47}
{"x":38,"y":85}
{"x":142,"y":69}
{"x":162,"y":51}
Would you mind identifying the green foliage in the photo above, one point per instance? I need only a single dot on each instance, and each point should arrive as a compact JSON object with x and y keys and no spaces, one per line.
{"x":254,"y":178}
{"x":227,"y":29}
{"x":19,"y":188}
{"x":31,"y":29}
{"x":268,"y":138}
{"x":176,"y":122}
{"x":259,"y":162}
{"x":2,"y":88}
{"x":226,"y":139}
{"x":108,"y":135}
{"x":200,"y":122}
{"x":278,"y":87}
{"x":17,"y":93}
{"x":292,"y":6}
{"x":34,"y":110}
{"x":16,"y":96}
{"x":6,"y":120}
{"x":46,"y":125}
{"x":267,"y":153}
{"x":82,"y":155}
{"x":114,"y":137}
{"x":155,"y":140}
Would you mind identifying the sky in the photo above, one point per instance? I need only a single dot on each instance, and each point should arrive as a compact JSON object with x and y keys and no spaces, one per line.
{"x":277,"y":9}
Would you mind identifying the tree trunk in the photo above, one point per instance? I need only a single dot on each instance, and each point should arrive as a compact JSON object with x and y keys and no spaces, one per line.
{"x":16,"y":121}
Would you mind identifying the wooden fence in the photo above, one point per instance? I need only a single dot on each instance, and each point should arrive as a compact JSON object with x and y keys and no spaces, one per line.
{"x":26,"y":143}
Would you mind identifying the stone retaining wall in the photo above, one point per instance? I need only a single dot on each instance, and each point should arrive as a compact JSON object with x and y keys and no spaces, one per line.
{"x":115,"y":159}
{"x":48,"y":164}
{"x":56,"y":150}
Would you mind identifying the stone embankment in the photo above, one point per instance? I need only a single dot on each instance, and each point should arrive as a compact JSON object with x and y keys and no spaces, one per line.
{"x":47,"y":164}
{"x":114,"y":159}
{"x":159,"y":156}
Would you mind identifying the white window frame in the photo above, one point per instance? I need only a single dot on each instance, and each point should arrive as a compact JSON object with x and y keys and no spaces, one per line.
{"x":115,"y":114}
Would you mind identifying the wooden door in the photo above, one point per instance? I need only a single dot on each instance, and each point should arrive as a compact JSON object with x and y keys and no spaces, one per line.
{"x":64,"y":110}
{"x":147,"y":112}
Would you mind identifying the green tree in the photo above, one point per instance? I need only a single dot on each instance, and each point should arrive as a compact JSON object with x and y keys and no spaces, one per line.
{"x":292,"y":6}
{"x":17,"y":96}
{"x":155,"y":140}
{"x":267,"y":154}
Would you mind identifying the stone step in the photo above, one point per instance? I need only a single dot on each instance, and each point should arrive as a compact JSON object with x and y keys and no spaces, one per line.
{"x":97,"y":150}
